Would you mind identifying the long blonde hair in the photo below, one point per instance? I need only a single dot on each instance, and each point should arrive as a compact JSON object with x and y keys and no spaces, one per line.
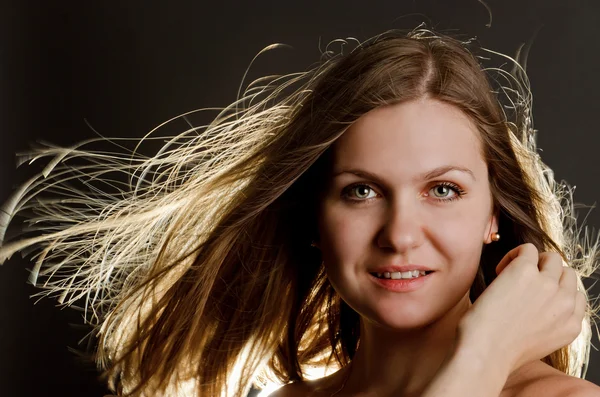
{"x":195,"y":264}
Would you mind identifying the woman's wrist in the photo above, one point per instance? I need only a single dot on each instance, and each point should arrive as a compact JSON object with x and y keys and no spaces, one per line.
{"x":482,"y":354}
{"x":472,"y":369}
{"x":481,"y":346}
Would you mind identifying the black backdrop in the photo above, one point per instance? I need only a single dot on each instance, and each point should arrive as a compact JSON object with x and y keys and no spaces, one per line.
{"x":126,"y":66}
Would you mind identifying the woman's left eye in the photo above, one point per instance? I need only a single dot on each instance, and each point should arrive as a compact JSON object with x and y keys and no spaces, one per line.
{"x":442,"y":191}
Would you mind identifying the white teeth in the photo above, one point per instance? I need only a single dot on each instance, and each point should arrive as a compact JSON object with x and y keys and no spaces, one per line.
{"x":401,"y":275}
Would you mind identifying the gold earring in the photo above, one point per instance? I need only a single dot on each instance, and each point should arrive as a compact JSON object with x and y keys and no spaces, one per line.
{"x":495,"y":236}
{"x":313,"y":244}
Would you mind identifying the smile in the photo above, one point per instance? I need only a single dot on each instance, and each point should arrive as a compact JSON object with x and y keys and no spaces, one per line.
{"x":401,"y":284}
{"x":401,"y":275}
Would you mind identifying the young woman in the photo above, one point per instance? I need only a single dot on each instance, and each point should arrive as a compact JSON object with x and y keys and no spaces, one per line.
{"x":380,"y":214}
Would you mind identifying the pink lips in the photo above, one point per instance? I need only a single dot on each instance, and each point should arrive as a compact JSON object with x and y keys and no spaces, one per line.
{"x":404,"y":268}
{"x":402,"y":285}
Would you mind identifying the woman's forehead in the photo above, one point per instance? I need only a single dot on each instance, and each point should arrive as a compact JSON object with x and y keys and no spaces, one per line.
{"x":415,"y":136}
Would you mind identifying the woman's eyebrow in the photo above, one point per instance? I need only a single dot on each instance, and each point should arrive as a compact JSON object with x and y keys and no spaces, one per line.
{"x":434,"y":173}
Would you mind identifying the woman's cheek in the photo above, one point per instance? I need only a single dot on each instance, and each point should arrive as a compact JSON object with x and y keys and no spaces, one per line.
{"x":346,"y":233}
{"x":342,"y":238}
{"x":460,"y":238}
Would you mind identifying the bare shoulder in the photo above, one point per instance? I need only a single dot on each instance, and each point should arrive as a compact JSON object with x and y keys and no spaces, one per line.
{"x":320,"y":387}
{"x":540,"y":379}
{"x":559,"y":386}
{"x":296,"y":389}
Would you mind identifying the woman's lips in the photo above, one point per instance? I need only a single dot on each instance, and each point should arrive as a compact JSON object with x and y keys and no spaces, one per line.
{"x":401,"y":285}
{"x":397,"y":268}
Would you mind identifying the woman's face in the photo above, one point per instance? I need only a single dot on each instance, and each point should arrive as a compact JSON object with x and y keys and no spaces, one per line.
{"x":409,"y":188}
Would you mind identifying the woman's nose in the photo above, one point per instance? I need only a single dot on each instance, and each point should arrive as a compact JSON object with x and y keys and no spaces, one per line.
{"x":402,"y":226}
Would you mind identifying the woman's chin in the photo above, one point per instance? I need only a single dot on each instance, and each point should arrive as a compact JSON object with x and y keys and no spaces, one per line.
{"x":401,"y":320}
{"x":413,"y":316}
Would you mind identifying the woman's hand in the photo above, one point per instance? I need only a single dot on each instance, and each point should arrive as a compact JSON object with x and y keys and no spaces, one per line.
{"x":530,"y":310}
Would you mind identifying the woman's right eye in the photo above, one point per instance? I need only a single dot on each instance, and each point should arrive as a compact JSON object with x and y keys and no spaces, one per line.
{"x":359,"y":192}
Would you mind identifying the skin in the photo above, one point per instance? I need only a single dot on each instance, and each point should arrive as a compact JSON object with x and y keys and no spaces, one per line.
{"x":396,"y":216}
{"x":380,"y":209}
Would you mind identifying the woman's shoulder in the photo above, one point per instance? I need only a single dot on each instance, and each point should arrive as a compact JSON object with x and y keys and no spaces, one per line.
{"x":296,"y":389}
{"x":533,"y":380}
{"x":319,"y":387}
{"x":540,"y":379}
{"x":559,"y":386}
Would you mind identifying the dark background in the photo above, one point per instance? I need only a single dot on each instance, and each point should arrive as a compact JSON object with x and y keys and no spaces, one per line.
{"x":126,"y":66}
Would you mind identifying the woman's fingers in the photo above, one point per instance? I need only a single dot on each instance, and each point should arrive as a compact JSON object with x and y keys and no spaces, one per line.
{"x":568,"y":283}
{"x":551,"y":265}
{"x":578,"y":315}
{"x":580,"y":307}
{"x":568,"y":280}
{"x":527,"y":253}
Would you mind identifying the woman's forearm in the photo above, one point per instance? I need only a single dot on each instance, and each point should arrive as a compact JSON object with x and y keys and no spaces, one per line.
{"x":469,"y":372}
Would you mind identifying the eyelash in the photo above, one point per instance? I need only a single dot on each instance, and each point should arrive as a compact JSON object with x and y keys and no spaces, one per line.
{"x":457,"y":190}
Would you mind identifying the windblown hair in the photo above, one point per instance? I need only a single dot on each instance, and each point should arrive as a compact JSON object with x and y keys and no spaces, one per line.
{"x":195,"y":266}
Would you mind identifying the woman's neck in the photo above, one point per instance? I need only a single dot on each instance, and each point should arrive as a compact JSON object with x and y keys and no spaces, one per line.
{"x":401,"y":363}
